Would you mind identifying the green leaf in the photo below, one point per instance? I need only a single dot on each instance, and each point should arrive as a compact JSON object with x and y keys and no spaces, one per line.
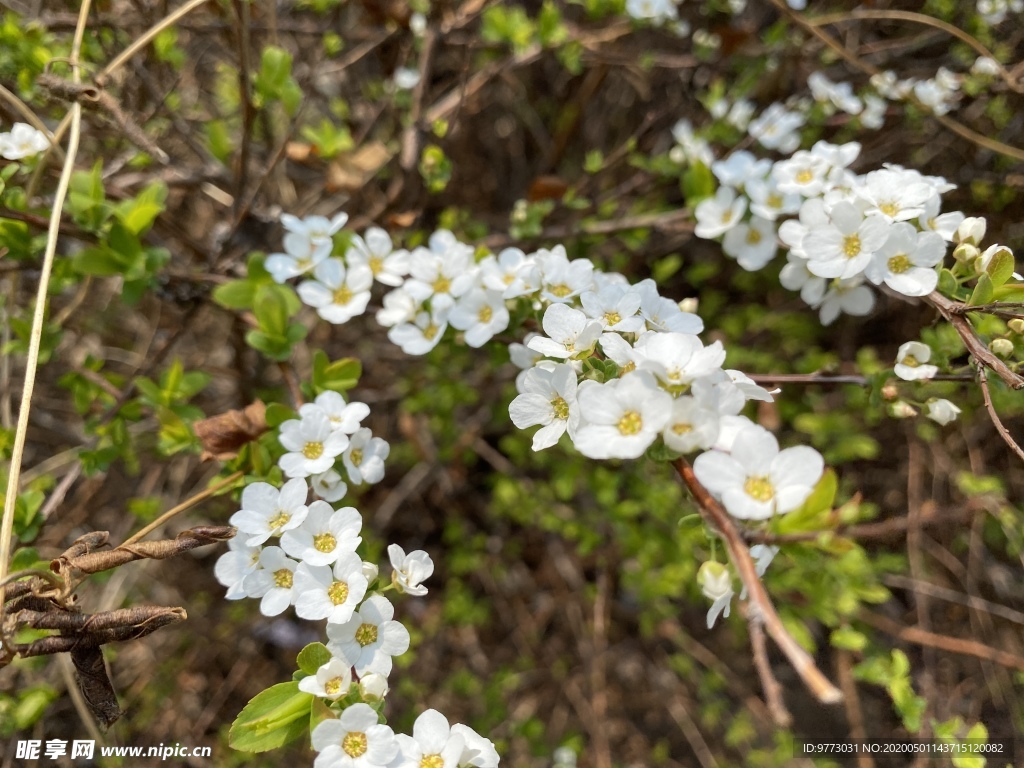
{"x":318,"y":713}
{"x":99,"y":262}
{"x":271,"y":311}
{"x":138,"y":213}
{"x":277,"y":414}
{"x":1001,"y":267}
{"x":818,"y":504}
{"x":848,"y":639}
{"x":697,"y":183}
{"x":237,"y":294}
{"x":339,"y":376}
{"x":984,"y":291}
{"x":273,"y":718}
{"x":947,"y":283}
{"x":312,"y":657}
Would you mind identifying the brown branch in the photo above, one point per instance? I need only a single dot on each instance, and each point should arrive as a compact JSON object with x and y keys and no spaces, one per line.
{"x":953,"y":311}
{"x":716,"y":516}
{"x":943,"y":642}
{"x":854,"y":711}
{"x":996,"y":421}
{"x":769,"y":684}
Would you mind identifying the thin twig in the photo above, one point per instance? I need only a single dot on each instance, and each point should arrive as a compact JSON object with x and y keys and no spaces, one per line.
{"x":715,"y":514}
{"x":953,"y":311}
{"x":39,"y":315}
{"x":186,"y":504}
{"x":996,"y":421}
{"x":772,"y":690}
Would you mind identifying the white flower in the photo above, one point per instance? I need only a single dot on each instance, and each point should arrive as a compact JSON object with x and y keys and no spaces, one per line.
{"x":333,"y":594}
{"x":481,"y":314}
{"x":716,"y":584}
{"x":311,"y":443}
{"x":776,"y":128}
{"x":548,"y":398}
{"x":620,"y":419}
{"x":563,"y":280}
{"x":694,"y":149}
{"x":740,"y":114}
{"x":233,"y":566}
{"x":272,"y":582}
{"x":477,"y":752}
{"x":942,"y":411}
{"x":740,"y":169}
{"x":911,"y":359}
{"x":22,"y":141}
{"x":655,"y":11}
{"x":354,"y":740}
{"x":364,"y":458}
{"x":751,"y":243}
{"x":331,"y":681}
{"x":757,"y":480}
{"x":804,"y":173}
{"x":572,"y":334}
{"x":906,"y":262}
{"x":329,"y":486}
{"x":441,"y":273}
{"x":406,"y":78}
{"x":370,"y":638}
{"x":690,"y":426}
{"x":424,"y":332}
{"x":344,"y":417}
{"x":432,"y":743}
{"x":512,"y":272}
{"x":676,"y":359}
{"x":768,"y":201}
{"x":375,"y":251}
{"x":410,"y":570}
{"x":844,"y":247}
{"x":267,"y":511}
{"x":946,"y":224}
{"x":306,"y":244}
{"x":399,"y":307}
{"x":984,"y":65}
{"x":337,"y":294}
{"x":848,"y":296}
{"x":717,"y":215}
{"x":663,"y":314}
{"x":894,"y":194}
{"x":873,"y":116}
{"x":616,"y":307}
{"x":325,"y":535}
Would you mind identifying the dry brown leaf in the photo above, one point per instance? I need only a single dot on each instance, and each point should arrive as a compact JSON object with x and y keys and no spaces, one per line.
{"x":352,"y":170}
{"x":223,"y":435}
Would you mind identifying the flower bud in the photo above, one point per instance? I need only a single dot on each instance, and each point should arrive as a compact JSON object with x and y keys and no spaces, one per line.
{"x":689,"y":305}
{"x":1017,"y":326}
{"x":370,"y":571}
{"x":966,"y":252}
{"x":902,"y":410}
{"x":971,"y":230}
{"x":990,"y":253}
{"x":373,"y":687}
{"x":714,"y":580}
{"x":942,"y":411}
{"x":890,"y":391}
{"x":1002,"y":347}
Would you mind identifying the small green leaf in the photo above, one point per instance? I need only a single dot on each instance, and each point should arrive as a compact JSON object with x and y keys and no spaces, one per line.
{"x":138,"y":213}
{"x":312,"y":657}
{"x":99,"y":262}
{"x":947,"y":283}
{"x":277,"y":414}
{"x":848,"y":639}
{"x":271,"y":311}
{"x":237,"y":294}
{"x":273,"y":718}
{"x":1001,"y":267}
{"x":697,"y":183}
{"x":984,"y":291}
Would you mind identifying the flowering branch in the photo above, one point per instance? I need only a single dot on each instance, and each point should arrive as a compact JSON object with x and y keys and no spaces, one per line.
{"x":953,"y":311}
{"x":761,"y":605}
{"x":996,"y":421}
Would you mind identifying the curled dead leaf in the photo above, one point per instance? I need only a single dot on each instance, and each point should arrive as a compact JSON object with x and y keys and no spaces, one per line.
{"x":223,"y":435}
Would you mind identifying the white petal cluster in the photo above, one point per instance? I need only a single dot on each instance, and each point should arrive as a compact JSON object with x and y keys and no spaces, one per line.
{"x":22,"y":141}
{"x":883,"y":227}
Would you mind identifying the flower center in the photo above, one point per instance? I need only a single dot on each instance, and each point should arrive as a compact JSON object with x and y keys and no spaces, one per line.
{"x":485,"y":314}
{"x":313,"y":450}
{"x":561,"y":290}
{"x":324,"y":542}
{"x":366,"y":634}
{"x":774,"y":201}
{"x":280,"y":520}
{"x":508,"y":279}
{"x":561,"y":408}
{"x":612,"y":318}
{"x":851,"y":246}
{"x":889,"y":209}
{"x":759,"y":488}
{"x":899,"y":264}
{"x":630,"y":423}
{"x":332,"y":686}
{"x":356,"y":457}
{"x":727,"y":216}
{"x":910,"y":361}
{"x":753,"y":236}
{"x":442,"y":285}
{"x":805,"y":176}
{"x":354,"y":744}
{"x":283,"y":578}
{"x":343,"y":295}
{"x":376,"y":265}
{"x":431,"y":761}
{"x":338,"y":592}
{"x":682,"y":429}
{"x":430,"y":332}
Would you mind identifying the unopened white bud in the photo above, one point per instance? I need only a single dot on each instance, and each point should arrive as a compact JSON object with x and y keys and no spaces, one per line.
{"x":942,"y":411}
{"x":971,"y":230}
{"x":1002,"y":347}
{"x":373,"y":687}
{"x":902,"y":410}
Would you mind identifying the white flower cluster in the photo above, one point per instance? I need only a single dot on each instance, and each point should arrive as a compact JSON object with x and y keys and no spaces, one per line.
{"x":884,"y":226}
{"x":940,"y":94}
{"x":996,"y":11}
{"x":870,"y":109}
{"x":22,"y":141}
{"x":316,"y":568}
